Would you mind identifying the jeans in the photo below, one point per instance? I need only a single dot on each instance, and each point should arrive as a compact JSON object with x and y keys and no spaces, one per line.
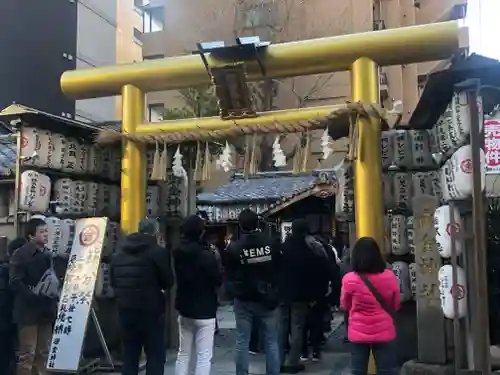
{"x":298,"y":314}
{"x":313,"y":329}
{"x":255,"y":337}
{"x":143,"y":330}
{"x":7,"y":352}
{"x":383,"y":354}
{"x":245,"y":312}
{"x":34,"y":343}
{"x":284,"y":331}
{"x":197,"y":334}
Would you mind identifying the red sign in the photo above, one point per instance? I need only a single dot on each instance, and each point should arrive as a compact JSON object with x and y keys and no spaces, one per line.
{"x":88,"y":235}
{"x":466,"y":166}
{"x":452,"y":229}
{"x":24,"y":141}
{"x":460,"y":290}
{"x":492,"y":145}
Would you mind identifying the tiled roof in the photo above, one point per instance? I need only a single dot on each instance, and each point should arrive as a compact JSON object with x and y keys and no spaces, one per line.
{"x":7,"y":157}
{"x":266,"y":186}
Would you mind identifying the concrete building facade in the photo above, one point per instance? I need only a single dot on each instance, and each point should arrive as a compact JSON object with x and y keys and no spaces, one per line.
{"x":106,"y":37}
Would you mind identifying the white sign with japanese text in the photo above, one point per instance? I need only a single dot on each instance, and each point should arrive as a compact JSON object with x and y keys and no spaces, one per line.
{"x":492,"y":145}
{"x":76,"y":295}
{"x":286,"y":230}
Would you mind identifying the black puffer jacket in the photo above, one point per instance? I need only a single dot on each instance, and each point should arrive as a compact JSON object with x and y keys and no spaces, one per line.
{"x":198,"y":273}
{"x":6,"y":298}
{"x":306,"y":268}
{"x":253,"y":269}
{"x":26,"y":267}
{"x":141,"y":273}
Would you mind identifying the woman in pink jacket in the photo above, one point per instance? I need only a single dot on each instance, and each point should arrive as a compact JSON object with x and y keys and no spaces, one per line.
{"x":370,"y":294}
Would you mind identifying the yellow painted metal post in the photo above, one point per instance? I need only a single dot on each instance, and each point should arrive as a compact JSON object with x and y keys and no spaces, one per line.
{"x":368,"y":195}
{"x":133,"y":187}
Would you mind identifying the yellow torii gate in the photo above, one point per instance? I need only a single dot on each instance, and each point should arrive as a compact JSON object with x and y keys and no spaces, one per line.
{"x":361,"y":53}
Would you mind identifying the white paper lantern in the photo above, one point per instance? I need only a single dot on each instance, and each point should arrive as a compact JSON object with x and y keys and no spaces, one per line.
{"x":153,"y":200}
{"x":445,"y":230}
{"x":103,"y":199}
{"x":402,"y":148}
{"x":412,"y":268}
{"x":443,"y":128}
{"x":34,"y":194}
{"x":399,"y":243}
{"x":94,"y":166}
{"x":57,"y":150}
{"x":387,"y":235}
{"x":447,"y":289}
{"x":402,"y":196}
{"x":80,"y":196}
{"x":460,"y":114}
{"x":421,"y":184}
{"x":387,"y":148}
{"x":456,"y":174}
{"x":71,"y":155}
{"x":103,"y":287}
{"x":67,"y":236}
{"x":64,"y":192}
{"x":401,"y":271}
{"x":29,"y":142}
{"x":388,"y":190}
{"x":54,"y":234}
{"x":91,"y":200}
{"x":410,"y":230}
{"x":83,"y":159}
{"x":43,"y":149}
{"x":420,"y":149}
{"x":106,"y":155}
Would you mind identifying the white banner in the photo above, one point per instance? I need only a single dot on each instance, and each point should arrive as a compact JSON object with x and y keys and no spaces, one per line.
{"x":77,"y":294}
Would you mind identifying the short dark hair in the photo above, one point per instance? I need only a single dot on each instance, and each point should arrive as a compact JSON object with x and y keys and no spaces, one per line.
{"x":31,"y":226}
{"x":148,"y":226}
{"x":248,"y":219}
{"x":366,"y":257}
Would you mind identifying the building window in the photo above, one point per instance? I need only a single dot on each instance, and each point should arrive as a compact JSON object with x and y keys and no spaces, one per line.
{"x":156,"y":112}
{"x":258,"y":16}
{"x":153,"y":57}
{"x":152,"y":19}
{"x":137,"y":37}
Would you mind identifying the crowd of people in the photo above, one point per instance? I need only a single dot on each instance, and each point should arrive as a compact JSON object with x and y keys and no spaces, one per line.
{"x":281,"y":294}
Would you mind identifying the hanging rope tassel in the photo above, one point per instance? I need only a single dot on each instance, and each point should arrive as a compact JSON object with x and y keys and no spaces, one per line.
{"x":306,"y":153}
{"x":206,"y":164}
{"x":155,"y":171}
{"x":353,"y":138}
{"x":197,"y":164}
{"x":246,"y":158}
{"x":164,"y":163}
{"x":253,"y":157}
{"x":297,"y":156}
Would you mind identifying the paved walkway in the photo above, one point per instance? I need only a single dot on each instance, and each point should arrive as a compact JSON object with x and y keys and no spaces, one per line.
{"x":335,"y":360}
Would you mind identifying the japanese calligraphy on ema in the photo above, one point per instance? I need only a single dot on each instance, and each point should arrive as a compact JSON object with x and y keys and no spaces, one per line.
{"x":492,"y":145}
{"x":76,"y":296}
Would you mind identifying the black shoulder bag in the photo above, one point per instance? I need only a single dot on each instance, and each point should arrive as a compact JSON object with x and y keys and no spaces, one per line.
{"x":377,"y":295}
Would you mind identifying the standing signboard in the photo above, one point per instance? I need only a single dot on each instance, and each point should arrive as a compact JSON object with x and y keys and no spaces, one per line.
{"x":77,"y":293}
{"x":492,"y":144}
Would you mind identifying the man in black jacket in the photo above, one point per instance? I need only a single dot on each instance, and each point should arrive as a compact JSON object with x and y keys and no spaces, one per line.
{"x":305,"y":283}
{"x":33,"y":313}
{"x":252,"y":271}
{"x":199,"y":277}
{"x":140,"y":276}
{"x":7,"y":328}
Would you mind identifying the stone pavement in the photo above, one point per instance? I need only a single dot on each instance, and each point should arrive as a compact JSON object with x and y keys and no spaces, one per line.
{"x":335,"y":359}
